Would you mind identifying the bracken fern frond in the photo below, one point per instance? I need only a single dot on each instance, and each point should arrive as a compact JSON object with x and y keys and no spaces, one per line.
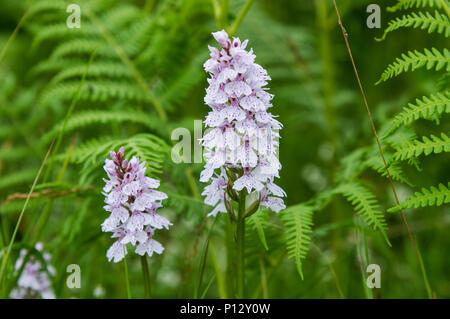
{"x":428,"y":107}
{"x":258,"y":222}
{"x":395,"y":170}
{"x":93,"y":91}
{"x":365,"y":205}
{"x":413,"y":60}
{"x":102,"y":69}
{"x":426,"y":21}
{"x":146,"y":147}
{"x":435,"y":196}
{"x":408,"y":4}
{"x":427,"y":146}
{"x":91,"y":117}
{"x":298,"y":221}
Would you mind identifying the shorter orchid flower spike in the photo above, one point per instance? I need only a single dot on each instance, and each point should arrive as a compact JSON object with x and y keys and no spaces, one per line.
{"x":132,"y":199}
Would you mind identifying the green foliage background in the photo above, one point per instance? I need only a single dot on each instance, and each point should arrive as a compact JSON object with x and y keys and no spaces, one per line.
{"x":133,"y":72}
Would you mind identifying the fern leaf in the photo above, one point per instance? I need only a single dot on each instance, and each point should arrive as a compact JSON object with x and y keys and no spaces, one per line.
{"x":258,"y":222}
{"x":435,"y":196}
{"x":146,"y":147}
{"x":438,"y":23}
{"x":104,"y":69}
{"x":428,"y":145}
{"x":51,"y":66}
{"x":365,"y":205}
{"x":353,"y":164}
{"x":46,"y":5}
{"x":184,"y":81}
{"x":427,"y":108}
{"x":413,"y":60}
{"x":18,"y":177}
{"x":86,"y":118}
{"x":401,"y":137}
{"x":408,"y":4}
{"x":60,"y":31}
{"x":15,"y":153}
{"x":84,"y":47}
{"x":298,"y":221}
{"x":121,"y":16}
{"x":93,"y":91}
{"x":376,"y":163}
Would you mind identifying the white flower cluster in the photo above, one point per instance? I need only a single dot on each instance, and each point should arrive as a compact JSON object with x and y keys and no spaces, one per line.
{"x":244,"y":135}
{"x":131,"y":198}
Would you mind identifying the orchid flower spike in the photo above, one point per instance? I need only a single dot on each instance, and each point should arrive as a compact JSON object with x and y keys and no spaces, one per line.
{"x":241,"y":149}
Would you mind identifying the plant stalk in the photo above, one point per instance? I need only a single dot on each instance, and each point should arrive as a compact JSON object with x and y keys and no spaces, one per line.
{"x":240,"y":17}
{"x":146,"y":274}
{"x":224,"y":14}
{"x":240,"y":241}
{"x":127,"y":278}
{"x":230,"y":257}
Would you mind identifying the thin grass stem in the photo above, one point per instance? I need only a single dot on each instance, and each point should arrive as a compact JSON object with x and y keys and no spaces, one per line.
{"x":237,"y":22}
{"x":8,"y":252}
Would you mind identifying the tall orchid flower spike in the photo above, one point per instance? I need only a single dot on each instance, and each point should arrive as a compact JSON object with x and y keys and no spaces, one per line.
{"x":132,"y":199}
{"x":242,"y":147}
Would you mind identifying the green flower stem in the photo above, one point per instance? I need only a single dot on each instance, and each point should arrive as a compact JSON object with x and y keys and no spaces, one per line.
{"x":216,"y":8}
{"x":240,"y":17}
{"x":230,"y":254}
{"x":219,"y":275}
{"x":223,"y":21}
{"x":240,"y":240}
{"x":127,"y":278}
{"x":146,"y":274}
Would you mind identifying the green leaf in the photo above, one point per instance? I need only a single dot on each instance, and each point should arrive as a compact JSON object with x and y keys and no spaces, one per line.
{"x":408,"y":4}
{"x":17,"y":177}
{"x":438,"y":23}
{"x":413,"y":60}
{"x":428,"y":197}
{"x":146,"y":147}
{"x":258,"y":222}
{"x":427,"y":146}
{"x":429,"y":107}
{"x":86,"y":118}
{"x":298,"y":221}
{"x":365,"y":205}
{"x":96,"y":91}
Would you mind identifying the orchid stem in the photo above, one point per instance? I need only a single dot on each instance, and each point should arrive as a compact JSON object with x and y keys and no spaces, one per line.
{"x":240,"y":17}
{"x":224,"y":14}
{"x":146,"y":274}
{"x":240,"y":239}
{"x":127,"y":279}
